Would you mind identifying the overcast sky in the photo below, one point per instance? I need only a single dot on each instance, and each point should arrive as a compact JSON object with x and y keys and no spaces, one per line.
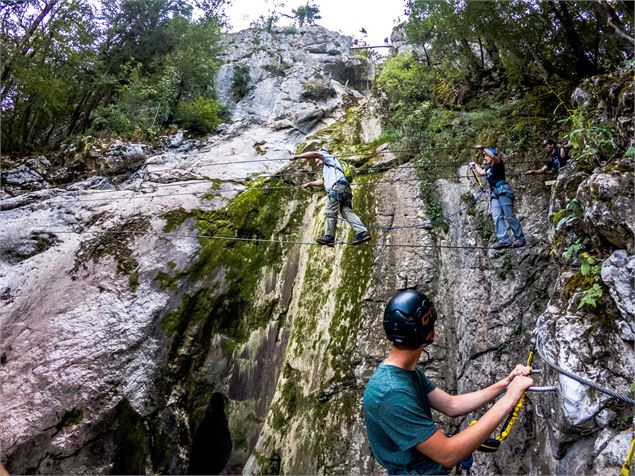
{"x":377,"y":17}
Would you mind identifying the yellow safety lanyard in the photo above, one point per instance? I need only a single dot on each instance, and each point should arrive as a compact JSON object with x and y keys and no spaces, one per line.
{"x":513,"y":416}
{"x":492,"y":444}
{"x":478,"y":179}
{"x":626,"y":467}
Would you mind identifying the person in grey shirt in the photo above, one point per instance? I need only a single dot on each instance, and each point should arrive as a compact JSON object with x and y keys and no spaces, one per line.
{"x":339,"y":196}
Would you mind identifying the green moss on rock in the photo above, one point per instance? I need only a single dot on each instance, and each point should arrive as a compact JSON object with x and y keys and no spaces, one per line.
{"x":133,"y":281}
{"x":132,"y":441}
{"x":70,"y":418}
{"x":114,"y":242}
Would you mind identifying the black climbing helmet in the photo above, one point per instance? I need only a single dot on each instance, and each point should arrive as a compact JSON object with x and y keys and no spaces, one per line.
{"x":408,"y":318}
{"x":548,"y":142}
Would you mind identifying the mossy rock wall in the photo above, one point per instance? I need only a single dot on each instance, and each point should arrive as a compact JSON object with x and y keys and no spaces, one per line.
{"x":316,"y":401}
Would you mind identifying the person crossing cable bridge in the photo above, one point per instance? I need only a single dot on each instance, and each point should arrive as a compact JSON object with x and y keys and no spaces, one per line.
{"x":399,"y":397}
{"x":501,"y":199}
{"x":558,"y":156}
{"x":339,"y":196}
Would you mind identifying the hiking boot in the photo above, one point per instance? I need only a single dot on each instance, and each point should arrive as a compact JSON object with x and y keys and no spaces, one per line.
{"x":360,"y":238}
{"x":519,"y":243}
{"x":327,"y":240}
{"x":500,"y":245}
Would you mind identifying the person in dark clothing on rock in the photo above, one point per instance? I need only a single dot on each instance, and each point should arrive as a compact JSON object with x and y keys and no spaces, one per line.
{"x":399,"y":397}
{"x":339,"y":196}
{"x":558,"y":156}
{"x":502,"y":199}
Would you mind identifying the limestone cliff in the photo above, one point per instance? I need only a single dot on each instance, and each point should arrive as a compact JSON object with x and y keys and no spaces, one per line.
{"x":134,"y":340}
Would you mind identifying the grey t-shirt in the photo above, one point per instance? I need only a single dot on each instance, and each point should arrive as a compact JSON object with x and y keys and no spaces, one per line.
{"x":332,"y":171}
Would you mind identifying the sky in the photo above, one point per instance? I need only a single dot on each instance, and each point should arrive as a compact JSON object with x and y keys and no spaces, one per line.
{"x":377,"y":17}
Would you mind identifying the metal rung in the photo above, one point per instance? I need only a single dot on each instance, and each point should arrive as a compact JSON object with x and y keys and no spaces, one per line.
{"x":549,"y":388}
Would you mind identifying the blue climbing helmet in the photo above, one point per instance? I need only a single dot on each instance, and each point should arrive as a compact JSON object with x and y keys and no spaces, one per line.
{"x":491,"y":150}
{"x":408,"y":318}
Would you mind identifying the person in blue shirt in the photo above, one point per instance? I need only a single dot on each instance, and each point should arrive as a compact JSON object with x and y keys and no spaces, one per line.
{"x":339,"y":196}
{"x":557,"y":157}
{"x":501,"y":199}
{"x":399,"y":397}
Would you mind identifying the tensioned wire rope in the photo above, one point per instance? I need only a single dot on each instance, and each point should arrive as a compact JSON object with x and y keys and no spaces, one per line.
{"x":427,"y":223}
{"x":302,"y":173}
{"x":361,"y":156}
{"x":237,"y":181}
{"x":371,"y":169}
{"x":579,"y":379}
{"x":257,"y":240}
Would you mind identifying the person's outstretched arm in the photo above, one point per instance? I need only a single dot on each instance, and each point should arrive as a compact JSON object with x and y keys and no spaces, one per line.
{"x":488,"y":152}
{"x":448,"y":451}
{"x":315,"y":183}
{"x":307,"y":155}
{"x":478,"y":168}
{"x":539,"y":171}
{"x":457,"y":405}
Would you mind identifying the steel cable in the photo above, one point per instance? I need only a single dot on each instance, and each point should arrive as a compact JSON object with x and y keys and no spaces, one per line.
{"x":579,"y":379}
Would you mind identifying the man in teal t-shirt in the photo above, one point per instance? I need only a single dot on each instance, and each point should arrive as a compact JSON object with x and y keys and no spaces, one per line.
{"x":399,"y":397}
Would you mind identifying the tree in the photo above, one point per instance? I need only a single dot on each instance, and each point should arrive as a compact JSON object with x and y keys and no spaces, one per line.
{"x":523,"y":37}
{"x":119,"y":66}
{"x":34,"y":14}
{"x":306,"y":14}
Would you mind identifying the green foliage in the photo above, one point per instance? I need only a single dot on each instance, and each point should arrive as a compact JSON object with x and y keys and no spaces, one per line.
{"x":591,"y":141}
{"x":289,"y":29}
{"x":522,"y":40}
{"x":306,"y":14}
{"x":112,"y":68}
{"x":591,"y":296}
{"x":112,"y":119}
{"x":201,"y":115}
{"x":573,"y":250}
{"x":567,"y":215}
{"x":241,"y":81}
{"x":589,"y":278}
{"x":269,"y":20}
{"x":403,"y":78}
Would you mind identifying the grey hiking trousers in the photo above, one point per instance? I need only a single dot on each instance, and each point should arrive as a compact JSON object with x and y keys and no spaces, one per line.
{"x":340,"y":199}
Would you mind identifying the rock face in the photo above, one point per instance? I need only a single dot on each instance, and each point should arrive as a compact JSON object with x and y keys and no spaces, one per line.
{"x":292,"y":80}
{"x":87,"y":276}
{"x":133,"y":340}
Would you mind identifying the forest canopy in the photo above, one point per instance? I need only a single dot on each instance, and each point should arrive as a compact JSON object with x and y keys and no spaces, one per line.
{"x":523,"y":39}
{"x":118,"y":67}
{"x":497,"y":66}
